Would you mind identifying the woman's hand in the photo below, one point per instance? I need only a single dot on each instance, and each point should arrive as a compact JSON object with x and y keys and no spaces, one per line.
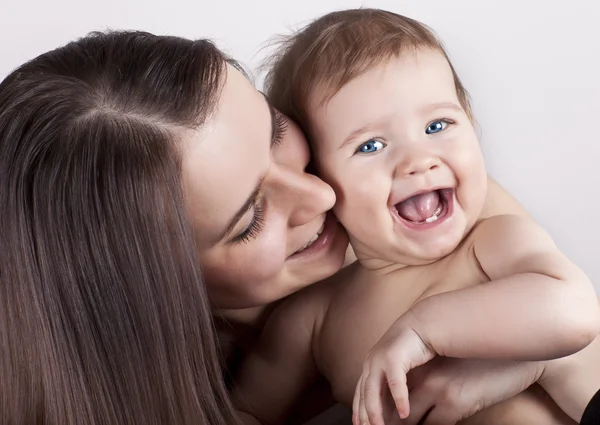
{"x":447,"y":390}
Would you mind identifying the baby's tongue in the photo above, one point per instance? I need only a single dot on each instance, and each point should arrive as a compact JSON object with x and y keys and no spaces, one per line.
{"x":419,"y":207}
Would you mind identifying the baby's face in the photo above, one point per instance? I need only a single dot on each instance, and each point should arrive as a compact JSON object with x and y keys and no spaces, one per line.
{"x":403,"y":158}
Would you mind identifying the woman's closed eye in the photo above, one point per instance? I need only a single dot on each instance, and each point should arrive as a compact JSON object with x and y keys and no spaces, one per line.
{"x":370,"y":146}
{"x":438,"y":126}
{"x":280,"y":126}
{"x":255,"y":226}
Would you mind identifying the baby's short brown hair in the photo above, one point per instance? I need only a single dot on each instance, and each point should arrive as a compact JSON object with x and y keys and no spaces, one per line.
{"x":338,"y":47}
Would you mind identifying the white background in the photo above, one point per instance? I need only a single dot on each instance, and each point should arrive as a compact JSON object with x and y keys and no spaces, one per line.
{"x":532,"y":68}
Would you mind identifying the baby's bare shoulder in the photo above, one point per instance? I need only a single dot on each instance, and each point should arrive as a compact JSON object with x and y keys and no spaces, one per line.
{"x":505,"y":226}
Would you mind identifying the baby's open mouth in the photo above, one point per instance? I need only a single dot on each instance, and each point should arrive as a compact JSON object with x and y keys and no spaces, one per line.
{"x":425,"y":207}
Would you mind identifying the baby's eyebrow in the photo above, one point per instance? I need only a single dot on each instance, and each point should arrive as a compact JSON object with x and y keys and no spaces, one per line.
{"x":441,"y":105}
{"x":363,"y":129}
{"x":425,"y":110}
{"x":375,"y":125}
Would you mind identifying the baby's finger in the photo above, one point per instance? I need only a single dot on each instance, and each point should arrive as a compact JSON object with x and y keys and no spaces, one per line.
{"x":396,"y":380}
{"x":372,"y":394}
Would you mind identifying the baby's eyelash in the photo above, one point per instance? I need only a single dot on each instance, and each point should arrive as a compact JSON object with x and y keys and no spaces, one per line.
{"x":281,"y":124}
{"x":255,"y":226}
{"x":446,"y":120}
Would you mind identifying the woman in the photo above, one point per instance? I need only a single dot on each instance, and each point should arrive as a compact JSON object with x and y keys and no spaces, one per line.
{"x":103,"y":315}
{"x":131,"y":160}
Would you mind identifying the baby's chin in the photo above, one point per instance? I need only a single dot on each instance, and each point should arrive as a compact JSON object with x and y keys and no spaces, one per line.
{"x":400,"y":253}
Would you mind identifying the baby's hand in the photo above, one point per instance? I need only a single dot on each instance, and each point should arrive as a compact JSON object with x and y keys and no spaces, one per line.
{"x":399,"y":350}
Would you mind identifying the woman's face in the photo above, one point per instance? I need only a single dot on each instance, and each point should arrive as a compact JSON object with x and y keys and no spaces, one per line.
{"x":260,"y":220}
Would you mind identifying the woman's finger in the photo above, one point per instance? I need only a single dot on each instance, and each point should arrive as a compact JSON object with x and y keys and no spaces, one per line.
{"x":373,"y":393}
{"x":356,"y":403}
{"x":421,"y":403}
{"x":362,"y":412}
{"x":439,"y":417}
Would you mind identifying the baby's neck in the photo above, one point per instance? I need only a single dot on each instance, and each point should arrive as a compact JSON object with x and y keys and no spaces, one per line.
{"x":371,"y":259}
{"x":378,"y":265}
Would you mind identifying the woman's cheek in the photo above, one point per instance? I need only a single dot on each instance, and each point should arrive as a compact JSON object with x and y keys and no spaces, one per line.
{"x":264,"y":258}
{"x":245,"y":275}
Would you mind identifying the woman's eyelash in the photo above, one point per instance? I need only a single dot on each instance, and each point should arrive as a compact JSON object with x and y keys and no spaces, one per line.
{"x":255,"y":226}
{"x":281,"y":124}
{"x":258,"y":219}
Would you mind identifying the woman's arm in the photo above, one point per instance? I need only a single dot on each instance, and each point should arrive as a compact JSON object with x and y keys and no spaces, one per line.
{"x":572,"y":381}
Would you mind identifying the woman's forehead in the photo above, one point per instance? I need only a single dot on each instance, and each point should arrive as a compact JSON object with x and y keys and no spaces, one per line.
{"x":227,"y":157}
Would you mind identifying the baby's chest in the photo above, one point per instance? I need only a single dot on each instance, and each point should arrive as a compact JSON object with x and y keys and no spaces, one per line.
{"x":363,"y":312}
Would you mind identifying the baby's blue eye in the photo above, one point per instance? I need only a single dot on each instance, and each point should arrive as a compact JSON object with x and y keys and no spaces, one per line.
{"x":370,"y":146}
{"x":436,"y":127}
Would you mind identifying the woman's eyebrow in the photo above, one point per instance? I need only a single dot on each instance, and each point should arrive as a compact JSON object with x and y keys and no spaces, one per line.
{"x":243,"y":209}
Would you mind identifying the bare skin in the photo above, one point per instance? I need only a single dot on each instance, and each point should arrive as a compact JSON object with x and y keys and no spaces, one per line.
{"x":329,"y":328}
{"x":535,"y":308}
{"x":451,"y":389}
{"x":242,"y":293}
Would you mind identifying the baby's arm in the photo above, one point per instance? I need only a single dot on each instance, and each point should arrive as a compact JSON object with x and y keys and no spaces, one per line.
{"x":538,"y":304}
{"x":279,"y":368}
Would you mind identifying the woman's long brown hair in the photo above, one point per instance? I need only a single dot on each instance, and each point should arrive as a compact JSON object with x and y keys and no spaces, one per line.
{"x":104,"y":318}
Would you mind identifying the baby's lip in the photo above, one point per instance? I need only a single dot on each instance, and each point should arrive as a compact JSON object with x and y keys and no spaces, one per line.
{"x":446,"y":211}
{"x":444,"y":190}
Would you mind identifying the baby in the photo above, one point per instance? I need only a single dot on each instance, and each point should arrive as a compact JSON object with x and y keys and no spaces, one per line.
{"x":391,"y":130}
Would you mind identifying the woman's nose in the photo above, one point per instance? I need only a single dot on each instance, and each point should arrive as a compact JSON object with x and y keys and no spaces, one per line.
{"x":306,"y":196}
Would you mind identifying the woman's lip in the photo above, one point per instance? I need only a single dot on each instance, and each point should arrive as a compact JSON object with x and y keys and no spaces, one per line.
{"x":325,"y":239}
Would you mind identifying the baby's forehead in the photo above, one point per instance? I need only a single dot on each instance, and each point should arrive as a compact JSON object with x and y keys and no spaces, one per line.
{"x":326,"y":86}
{"x":402,"y":84}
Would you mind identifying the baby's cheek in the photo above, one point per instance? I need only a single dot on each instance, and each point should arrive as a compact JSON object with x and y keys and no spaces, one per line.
{"x":355,"y":206}
{"x":331,"y":174}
